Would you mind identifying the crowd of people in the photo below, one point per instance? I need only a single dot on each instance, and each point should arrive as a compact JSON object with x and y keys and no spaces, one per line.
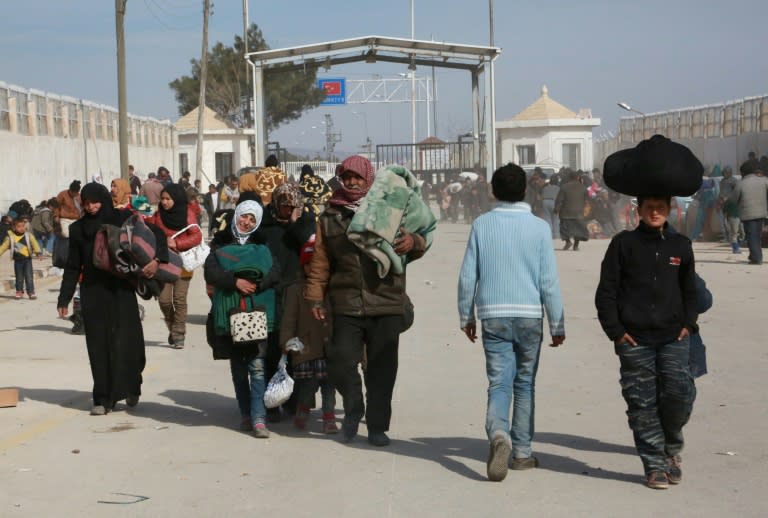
{"x":319,"y":273}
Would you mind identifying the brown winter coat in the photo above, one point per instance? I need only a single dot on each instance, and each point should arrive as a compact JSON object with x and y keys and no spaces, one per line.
{"x":351,"y":278}
{"x":67,"y":208}
{"x":298,"y":321}
{"x":571,"y":200}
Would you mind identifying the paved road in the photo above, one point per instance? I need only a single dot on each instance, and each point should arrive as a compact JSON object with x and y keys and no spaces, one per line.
{"x":180,"y":448}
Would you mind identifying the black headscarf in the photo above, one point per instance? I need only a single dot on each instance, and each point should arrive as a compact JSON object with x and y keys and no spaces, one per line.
{"x":107,"y":214}
{"x":175,"y":218}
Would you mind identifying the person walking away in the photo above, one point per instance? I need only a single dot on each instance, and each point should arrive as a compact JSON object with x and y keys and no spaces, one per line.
{"x":152,"y":189}
{"x":569,"y":207}
{"x":548,"y":196}
{"x":730,"y":209}
{"x":240,"y":267}
{"x":179,"y":223}
{"x":369,"y":308}
{"x":706,"y":198}
{"x":508,"y":301}
{"x":750,"y":196}
{"x":43,"y":225}
{"x":70,"y":207}
{"x":113,"y":331}
{"x":22,"y":245}
{"x":309,"y":364}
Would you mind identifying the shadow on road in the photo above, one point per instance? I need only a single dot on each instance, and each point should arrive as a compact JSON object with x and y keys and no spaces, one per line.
{"x":66,"y":398}
{"x":583,"y":443}
{"x":47,"y":327}
{"x":448,"y":451}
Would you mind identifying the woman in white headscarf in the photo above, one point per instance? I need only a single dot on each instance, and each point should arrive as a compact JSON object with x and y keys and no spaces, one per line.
{"x":240,"y":270}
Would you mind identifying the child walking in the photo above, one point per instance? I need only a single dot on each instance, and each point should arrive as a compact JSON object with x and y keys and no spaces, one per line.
{"x":23,"y":244}
{"x":309,"y":370}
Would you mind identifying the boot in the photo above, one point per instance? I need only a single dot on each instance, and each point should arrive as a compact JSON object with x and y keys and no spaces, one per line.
{"x":567,"y":245}
{"x":736,"y":248}
{"x":77,"y":320}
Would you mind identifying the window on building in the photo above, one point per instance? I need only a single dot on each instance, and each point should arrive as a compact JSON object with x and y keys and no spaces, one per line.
{"x":5,"y":123}
{"x":526,"y":155}
{"x":224,"y":163}
{"x":572,"y":156}
{"x":183,"y":162}
{"x":41,"y":106}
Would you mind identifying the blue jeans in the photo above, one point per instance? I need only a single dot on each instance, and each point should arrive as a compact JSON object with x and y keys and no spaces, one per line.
{"x":23,"y":270}
{"x":249,"y":393}
{"x":512,"y":347}
{"x":753,"y":228}
{"x":657,"y":385}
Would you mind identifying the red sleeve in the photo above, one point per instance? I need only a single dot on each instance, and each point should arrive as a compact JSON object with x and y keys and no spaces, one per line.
{"x":192,"y":236}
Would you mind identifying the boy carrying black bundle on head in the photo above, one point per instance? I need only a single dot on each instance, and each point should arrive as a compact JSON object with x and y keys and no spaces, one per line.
{"x":646,"y":303}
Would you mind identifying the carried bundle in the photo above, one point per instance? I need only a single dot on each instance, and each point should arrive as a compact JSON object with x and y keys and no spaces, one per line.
{"x":655,"y":167}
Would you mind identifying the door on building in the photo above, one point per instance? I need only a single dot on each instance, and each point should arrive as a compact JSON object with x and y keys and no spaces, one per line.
{"x":224,"y":163}
{"x":183,"y":163}
{"x":572,"y":156}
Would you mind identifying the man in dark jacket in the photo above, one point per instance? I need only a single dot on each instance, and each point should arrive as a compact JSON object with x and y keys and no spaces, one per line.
{"x":569,"y":207}
{"x":369,"y":312}
{"x":646,"y":303}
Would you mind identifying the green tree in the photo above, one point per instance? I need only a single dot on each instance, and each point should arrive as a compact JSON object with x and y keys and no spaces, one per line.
{"x":287,"y":94}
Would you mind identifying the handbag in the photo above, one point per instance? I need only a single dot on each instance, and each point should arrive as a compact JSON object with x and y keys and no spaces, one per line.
{"x":195,"y":256}
{"x":247,"y":327}
{"x":280,"y":387}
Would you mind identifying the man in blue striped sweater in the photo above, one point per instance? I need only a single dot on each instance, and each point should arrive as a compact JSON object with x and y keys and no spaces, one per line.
{"x":508,"y":273}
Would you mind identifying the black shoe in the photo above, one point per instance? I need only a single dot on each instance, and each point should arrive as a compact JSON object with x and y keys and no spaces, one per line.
{"x":349,"y":428}
{"x":674,"y":471}
{"x":132,"y":401}
{"x":567,"y":245}
{"x":378,"y":439}
{"x":170,"y":339}
{"x":273,"y":415}
{"x":576,"y":246}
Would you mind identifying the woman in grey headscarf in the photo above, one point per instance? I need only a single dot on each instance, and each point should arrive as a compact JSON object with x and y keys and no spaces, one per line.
{"x":241,"y":270}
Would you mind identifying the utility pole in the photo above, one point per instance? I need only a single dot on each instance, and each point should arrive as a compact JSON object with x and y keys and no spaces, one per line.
{"x":331,"y":138}
{"x":412,"y":69}
{"x":201,"y":103}
{"x":248,"y":110}
{"x":122,"y":102}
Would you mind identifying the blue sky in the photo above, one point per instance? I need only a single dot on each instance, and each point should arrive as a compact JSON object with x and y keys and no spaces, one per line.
{"x":654,"y":54}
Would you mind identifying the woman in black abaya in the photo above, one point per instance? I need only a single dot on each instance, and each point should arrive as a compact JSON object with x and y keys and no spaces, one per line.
{"x":113,"y":331}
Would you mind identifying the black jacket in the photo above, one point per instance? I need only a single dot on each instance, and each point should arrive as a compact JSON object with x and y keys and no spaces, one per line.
{"x":648,"y":286}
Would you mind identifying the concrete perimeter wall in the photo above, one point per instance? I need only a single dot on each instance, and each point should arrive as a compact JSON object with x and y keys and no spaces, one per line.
{"x":46,"y":141}
{"x":717,"y":134}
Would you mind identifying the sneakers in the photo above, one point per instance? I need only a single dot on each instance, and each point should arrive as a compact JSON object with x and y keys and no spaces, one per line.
{"x":498,"y":457}
{"x":260,"y":431}
{"x":378,"y":439}
{"x":524,"y":463}
{"x":132,"y":401}
{"x":32,"y":296}
{"x":178,"y":343}
{"x":675,"y":471}
{"x":18,"y":295}
{"x":329,"y":424}
{"x":349,"y":428}
{"x":657,"y":480}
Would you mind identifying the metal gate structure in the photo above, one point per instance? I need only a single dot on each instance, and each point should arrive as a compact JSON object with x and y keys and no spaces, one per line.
{"x":434,"y":162}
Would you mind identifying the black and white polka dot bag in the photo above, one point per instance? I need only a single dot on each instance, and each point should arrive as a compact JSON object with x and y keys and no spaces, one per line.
{"x":246,"y":326}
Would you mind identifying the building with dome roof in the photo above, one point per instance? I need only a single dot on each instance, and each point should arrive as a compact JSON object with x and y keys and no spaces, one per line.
{"x":547,"y":133}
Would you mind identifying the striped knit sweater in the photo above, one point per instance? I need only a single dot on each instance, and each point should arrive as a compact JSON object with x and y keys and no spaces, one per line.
{"x":509,"y":269}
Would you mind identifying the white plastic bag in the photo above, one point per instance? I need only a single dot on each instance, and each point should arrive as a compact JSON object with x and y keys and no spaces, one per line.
{"x":280,"y":387}
{"x":195,"y":256}
{"x":294,"y":344}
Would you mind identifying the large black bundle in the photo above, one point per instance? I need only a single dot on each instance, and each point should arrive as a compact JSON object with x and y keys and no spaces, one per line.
{"x":655,"y":167}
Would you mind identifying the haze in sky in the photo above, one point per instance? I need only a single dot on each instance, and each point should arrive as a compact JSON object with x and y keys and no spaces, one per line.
{"x":654,"y":55}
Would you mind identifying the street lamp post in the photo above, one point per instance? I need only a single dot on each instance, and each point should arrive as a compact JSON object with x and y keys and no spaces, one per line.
{"x":625,"y":106}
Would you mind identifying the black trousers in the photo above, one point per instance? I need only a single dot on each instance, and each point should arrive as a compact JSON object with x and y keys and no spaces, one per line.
{"x":379,"y":337}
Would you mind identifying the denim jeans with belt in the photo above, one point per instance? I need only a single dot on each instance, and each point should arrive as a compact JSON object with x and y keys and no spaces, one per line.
{"x":512,"y":347}
{"x":657,"y":385}
{"x":250,"y":385}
